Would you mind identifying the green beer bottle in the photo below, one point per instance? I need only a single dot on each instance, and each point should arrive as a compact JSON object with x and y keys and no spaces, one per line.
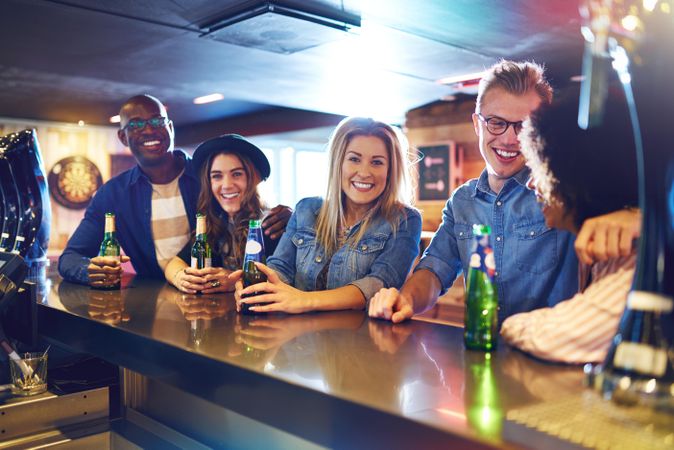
{"x":481,"y":319}
{"x":201,"y":251}
{"x":110,"y":246}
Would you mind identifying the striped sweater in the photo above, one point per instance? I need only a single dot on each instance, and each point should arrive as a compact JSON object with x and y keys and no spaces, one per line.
{"x":580,"y":329}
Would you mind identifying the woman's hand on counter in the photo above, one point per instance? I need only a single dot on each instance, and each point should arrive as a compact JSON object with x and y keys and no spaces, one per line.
{"x":188,"y":280}
{"x":216,"y":280}
{"x":276,"y":295}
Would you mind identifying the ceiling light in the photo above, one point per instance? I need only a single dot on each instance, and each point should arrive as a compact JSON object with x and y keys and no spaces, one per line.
{"x":115,"y":119}
{"x":465,"y":80}
{"x":208,"y":99}
{"x":80,"y":123}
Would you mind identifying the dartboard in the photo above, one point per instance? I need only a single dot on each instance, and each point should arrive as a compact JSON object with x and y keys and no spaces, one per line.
{"x":73,"y":181}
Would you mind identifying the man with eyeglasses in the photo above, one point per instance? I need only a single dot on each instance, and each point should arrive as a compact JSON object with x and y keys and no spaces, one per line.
{"x":154,"y":203}
{"x":535,"y":265}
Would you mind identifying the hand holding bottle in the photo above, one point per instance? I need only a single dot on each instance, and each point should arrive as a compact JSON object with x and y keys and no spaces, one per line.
{"x":106,"y":271}
{"x":276,"y":295}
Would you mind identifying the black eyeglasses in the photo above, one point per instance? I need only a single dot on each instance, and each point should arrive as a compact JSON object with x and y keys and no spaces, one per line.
{"x":139,"y":124}
{"x":498,"y":126}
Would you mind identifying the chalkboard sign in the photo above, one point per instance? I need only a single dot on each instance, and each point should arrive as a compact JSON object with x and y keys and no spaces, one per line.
{"x":439,"y":171}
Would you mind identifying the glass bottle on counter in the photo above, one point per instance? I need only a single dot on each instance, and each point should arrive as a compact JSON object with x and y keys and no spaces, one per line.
{"x":110,"y":247}
{"x":481,"y":306}
{"x":254,"y":253}
{"x":201,"y":250}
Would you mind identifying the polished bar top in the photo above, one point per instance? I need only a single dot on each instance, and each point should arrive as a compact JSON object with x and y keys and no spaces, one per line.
{"x":334,"y":372}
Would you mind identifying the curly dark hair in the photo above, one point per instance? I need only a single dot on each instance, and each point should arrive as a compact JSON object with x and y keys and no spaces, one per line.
{"x":592,"y":171}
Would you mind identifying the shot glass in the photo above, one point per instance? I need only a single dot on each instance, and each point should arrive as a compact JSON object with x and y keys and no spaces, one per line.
{"x":29,"y":374}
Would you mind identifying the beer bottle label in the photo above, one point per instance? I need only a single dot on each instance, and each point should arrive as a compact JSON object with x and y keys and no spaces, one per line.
{"x":194,"y":263}
{"x":111,"y":253}
{"x":483,"y":258}
{"x":253,"y":247}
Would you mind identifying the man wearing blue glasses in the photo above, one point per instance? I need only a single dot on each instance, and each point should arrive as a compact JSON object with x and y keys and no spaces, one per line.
{"x":154,"y":203}
{"x":535,"y":265}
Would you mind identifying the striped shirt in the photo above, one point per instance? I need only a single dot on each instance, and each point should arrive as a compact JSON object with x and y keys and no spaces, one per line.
{"x":580,"y":329}
{"x":170,"y":227}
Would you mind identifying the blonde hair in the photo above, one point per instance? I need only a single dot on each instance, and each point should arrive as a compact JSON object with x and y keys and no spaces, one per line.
{"x":396,"y":195}
{"x":251,"y":207}
{"x":516,"y":78}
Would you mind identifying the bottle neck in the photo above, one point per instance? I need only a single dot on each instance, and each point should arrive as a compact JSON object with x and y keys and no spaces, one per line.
{"x":201,"y":228}
{"x":109,"y":225}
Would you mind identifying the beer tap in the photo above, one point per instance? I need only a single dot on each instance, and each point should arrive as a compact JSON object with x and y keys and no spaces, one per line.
{"x":633,"y":37}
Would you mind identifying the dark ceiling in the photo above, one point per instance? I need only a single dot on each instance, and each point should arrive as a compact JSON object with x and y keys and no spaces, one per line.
{"x":80,"y":59}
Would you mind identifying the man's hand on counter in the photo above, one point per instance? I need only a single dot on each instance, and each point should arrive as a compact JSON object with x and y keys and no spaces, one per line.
{"x":391,"y":304}
{"x":105,"y":271}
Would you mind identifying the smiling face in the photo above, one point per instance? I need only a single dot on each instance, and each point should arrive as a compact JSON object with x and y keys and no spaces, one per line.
{"x":364,"y":172}
{"x":228,"y":182}
{"x":502,"y":153}
{"x":150,"y":145}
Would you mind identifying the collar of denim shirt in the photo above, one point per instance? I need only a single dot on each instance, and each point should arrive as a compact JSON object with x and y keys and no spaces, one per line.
{"x":482,"y":184}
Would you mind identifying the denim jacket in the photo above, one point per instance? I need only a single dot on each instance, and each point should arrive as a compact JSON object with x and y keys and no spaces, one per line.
{"x":380,"y":259}
{"x":536,"y":266}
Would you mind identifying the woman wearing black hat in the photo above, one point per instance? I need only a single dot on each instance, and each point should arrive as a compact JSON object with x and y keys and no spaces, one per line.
{"x":230,"y":169}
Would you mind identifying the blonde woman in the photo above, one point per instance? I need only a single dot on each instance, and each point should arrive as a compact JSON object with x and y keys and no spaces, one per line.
{"x":336,"y":253}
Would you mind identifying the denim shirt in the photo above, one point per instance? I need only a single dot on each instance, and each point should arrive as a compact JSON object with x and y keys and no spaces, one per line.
{"x":536,"y":266}
{"x":380,"y":259}
{"x":129,"y":197}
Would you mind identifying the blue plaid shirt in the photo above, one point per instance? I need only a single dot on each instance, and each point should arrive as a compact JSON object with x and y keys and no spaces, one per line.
{"x":535,"y":266}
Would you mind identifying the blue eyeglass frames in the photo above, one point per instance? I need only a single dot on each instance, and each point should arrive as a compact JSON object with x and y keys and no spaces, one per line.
{"x":139,"y":124}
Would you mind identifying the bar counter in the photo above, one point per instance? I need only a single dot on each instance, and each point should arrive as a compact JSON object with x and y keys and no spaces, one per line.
{"x":337,"y":380}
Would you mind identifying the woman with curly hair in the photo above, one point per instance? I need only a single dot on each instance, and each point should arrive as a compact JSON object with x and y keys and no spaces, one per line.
{"x":587,"y":183}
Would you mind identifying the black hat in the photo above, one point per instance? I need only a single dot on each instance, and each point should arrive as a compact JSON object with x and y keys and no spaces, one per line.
{"x":234,"y":143}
